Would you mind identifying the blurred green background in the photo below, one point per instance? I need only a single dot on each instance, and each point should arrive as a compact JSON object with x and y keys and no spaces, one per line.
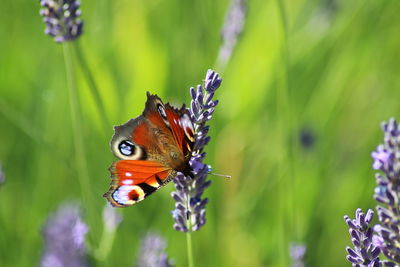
{"x":324,"y":69}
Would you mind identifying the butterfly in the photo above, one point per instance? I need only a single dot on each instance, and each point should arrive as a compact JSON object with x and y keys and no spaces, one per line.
{"x":152,"y":148}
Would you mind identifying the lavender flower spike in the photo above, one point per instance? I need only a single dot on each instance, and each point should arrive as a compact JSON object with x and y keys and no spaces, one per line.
{"x":64,"y":236}
{"x":233,"y":27}
{"x":62,"y":19}
{"x":297,"y":252}
{"x":152,"y":252}
{"x":365,"y":253}
{"x":2,"y":175}
{"x":190,"y":213}
{"x":111,"y":218}
{"x":387,"y":160}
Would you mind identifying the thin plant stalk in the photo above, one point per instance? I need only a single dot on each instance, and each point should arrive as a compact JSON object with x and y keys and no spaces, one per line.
{"x":230,"y":32}
{"x":189,"y":248}
{"x":286,"y":127}
{"x":111,"y":221}
{"x":30,"y":130}
{"x":20,"y":122}
{"x":189,"y":243}
{"x":94,"y":89}
{"x":106,"y":243}
{"x":80,"y":158}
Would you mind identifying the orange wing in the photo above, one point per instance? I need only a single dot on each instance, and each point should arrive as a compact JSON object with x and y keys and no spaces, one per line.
{"x":134,"y":180}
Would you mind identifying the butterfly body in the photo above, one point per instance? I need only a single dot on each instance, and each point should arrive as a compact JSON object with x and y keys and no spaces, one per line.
{"x":152,"y":148}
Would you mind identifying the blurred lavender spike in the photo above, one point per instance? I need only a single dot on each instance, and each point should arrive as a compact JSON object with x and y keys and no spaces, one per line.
{"x":2,"y":175}
{"x":307,"y":138}
{"x":152,"y":252}
{"x":111,"y":218}
{"x":387,"y":159}
{"x":365,"y":253}
{"x":190,"y":213}
{"x":233,"y":27}
{"x":297,"y":253}
{"x":64,"y":239}
{"x":62,"y":19}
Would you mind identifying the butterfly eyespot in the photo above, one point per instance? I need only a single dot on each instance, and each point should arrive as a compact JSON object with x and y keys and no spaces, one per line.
{"x":161,"y":110}
{"x":126,"y":148}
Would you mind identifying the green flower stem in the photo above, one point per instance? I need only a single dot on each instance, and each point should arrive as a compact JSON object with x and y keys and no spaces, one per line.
{"x":30,"y":130}
{"x":189,"y":248}
{"x":106,"y":242}
{"x":287,"y":173}
{"x":189,"y":237}
{"x":80,"y":158}
{"x":94,"y":89}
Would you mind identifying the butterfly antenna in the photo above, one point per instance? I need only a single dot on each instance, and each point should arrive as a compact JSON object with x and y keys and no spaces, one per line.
{"x":221,"y":175}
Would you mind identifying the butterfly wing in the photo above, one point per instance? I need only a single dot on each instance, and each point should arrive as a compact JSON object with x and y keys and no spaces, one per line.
{"x":134,"y":180}
{"x":172,"y":120}
{"x":152,"y":148}
{"x":181,"y":128}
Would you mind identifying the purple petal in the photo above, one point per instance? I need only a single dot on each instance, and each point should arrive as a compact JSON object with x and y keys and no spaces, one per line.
{"x":375,"y":252}
{"x":353,"y":260}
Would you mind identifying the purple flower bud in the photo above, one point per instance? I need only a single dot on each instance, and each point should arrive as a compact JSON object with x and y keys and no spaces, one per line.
{"x":192,"y":92}
{"x":381,"y":157}
{"x":212,"y":104}
{"x":369,"y":216}
{"x":194,"y":108}
{"x":390,"y":264}
{"x":353,"y":260}
{"x":375,"y":263}
{"x":384,"y":214}
{"x":361,"y":218}
{"x":375,"y":252}
{"x":355,"y":242}
{"x":364,"y":251}
{"x":368,"y":231}
{"x":351,"y":252}
{"x":176,"y":197}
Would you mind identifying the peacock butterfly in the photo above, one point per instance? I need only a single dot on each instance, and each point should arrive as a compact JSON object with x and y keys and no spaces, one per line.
{"x":152,"y":148}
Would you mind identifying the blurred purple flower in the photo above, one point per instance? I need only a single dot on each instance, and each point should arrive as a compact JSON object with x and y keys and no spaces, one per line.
{"x":152,"y":252}
{"x":233,"y":27}
{"x":2,"y":175}
{"x":381,"y":157}
{"x":365,"y":253}
{"x":297,"y":252}
{"x":111,"y":218}
{"x":387,"y":159}
{"x":189,"y":213}
{"x":62,"y":19}
{"x":64,"y":238}
{"x":307,"y":138}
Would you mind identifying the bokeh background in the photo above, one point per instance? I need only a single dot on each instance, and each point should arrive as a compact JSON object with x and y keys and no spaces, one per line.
{"x":302,"y":99}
